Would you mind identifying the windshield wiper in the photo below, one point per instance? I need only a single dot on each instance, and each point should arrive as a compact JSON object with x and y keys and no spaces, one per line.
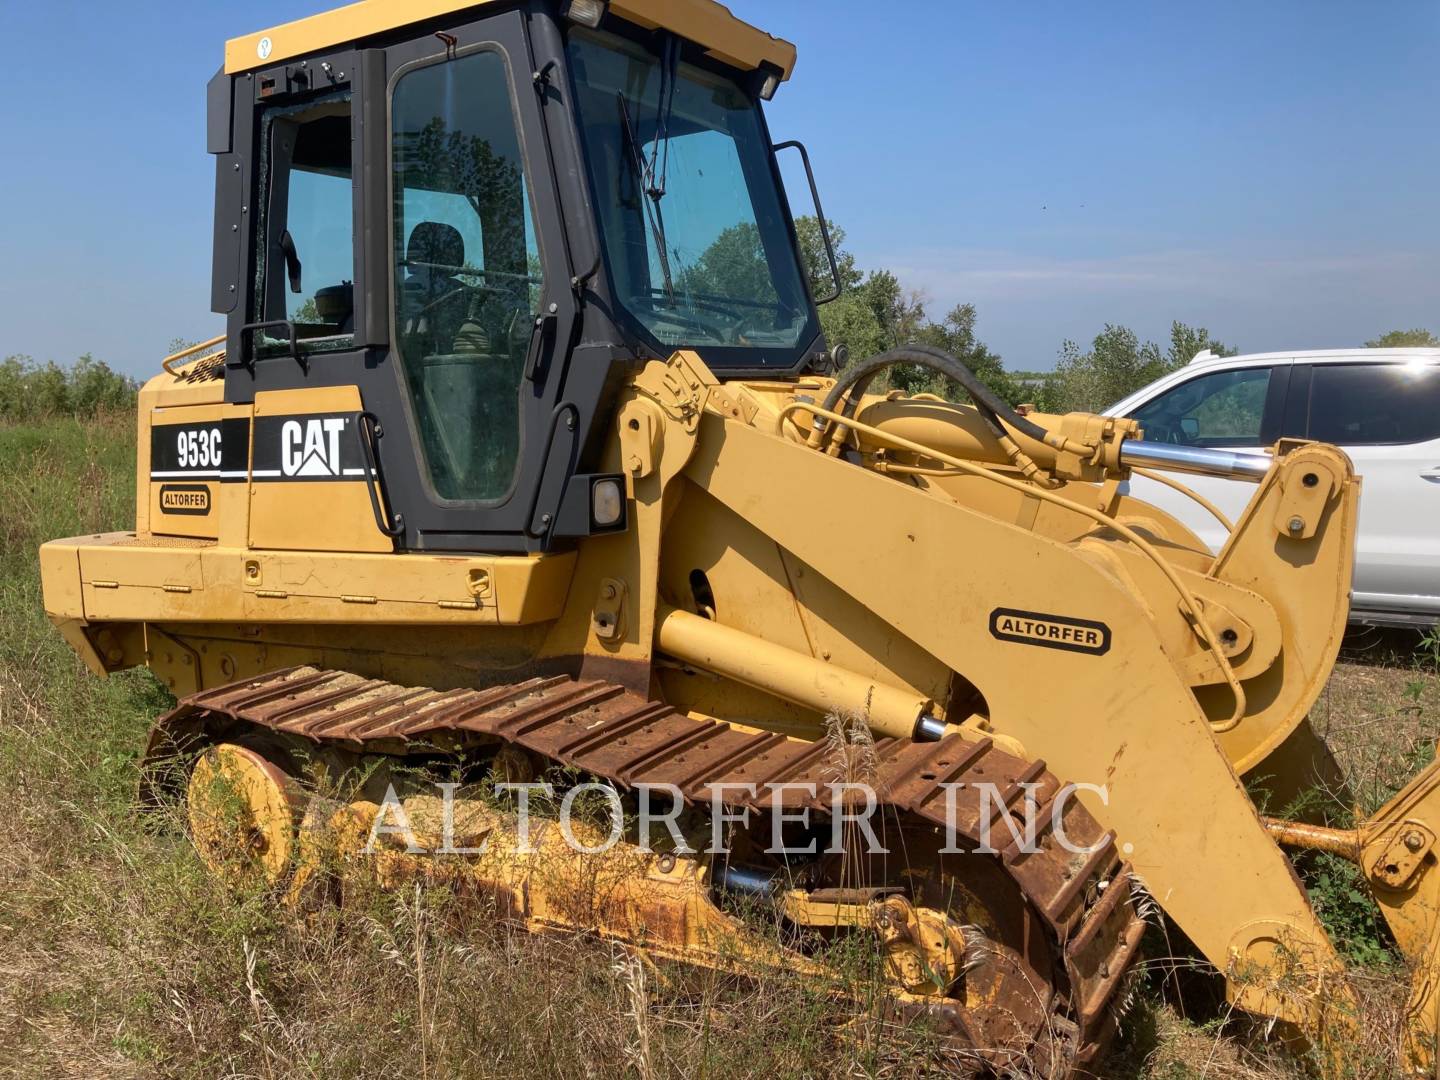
{"x":658,"y":169}
{"x":650,"y":201}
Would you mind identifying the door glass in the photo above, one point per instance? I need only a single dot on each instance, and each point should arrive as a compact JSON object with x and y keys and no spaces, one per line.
{"x":467,"y":276}
{"x":1374,"y":404}
{"x":1224,"y":408}
{"x":309,"y":226}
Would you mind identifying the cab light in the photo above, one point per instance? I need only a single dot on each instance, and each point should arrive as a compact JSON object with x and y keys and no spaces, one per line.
{"x":586,"y":12}
{"x":607,"y":503}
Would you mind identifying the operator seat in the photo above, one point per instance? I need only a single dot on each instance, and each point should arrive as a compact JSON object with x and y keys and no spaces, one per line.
{"x":433,"y":298}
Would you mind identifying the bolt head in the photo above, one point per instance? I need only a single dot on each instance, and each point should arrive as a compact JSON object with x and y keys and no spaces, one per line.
{"x":1297,"y":525}
{"x":1414,"y":841}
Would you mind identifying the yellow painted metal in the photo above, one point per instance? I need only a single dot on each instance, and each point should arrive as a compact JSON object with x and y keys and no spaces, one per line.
{"x":331,"y":515}
{"x":660,"y":901}
{"x":704,"y":22}
{"x":1190,"y":603}
{"x":657,"y":900}
{"x":803,"y":679}
{"x":124,"y":577}
{"x":243,"y":810}
{"x":959,"y":430}
{"x":1313,"y":610}
{"x":712,"y":25}
{"x":218,"y":502}
{"x":1397,"y":851}
{"x":1346,"y":843}
{"x":168,"y":399}
{"x":934,"y":571}
{"x":169,"y":364}
{"x":1399,"y":859}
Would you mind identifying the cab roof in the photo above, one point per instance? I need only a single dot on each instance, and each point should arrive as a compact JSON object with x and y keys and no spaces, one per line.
{"x":705,"y":22}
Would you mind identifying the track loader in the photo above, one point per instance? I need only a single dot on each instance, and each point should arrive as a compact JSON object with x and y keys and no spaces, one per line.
{"x":523,"y":458}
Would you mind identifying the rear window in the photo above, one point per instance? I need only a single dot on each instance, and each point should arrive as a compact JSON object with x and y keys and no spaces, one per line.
{"x":1374,"y":404}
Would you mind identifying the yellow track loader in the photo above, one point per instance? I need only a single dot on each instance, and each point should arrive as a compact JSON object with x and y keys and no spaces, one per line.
{"x":524,"y":460}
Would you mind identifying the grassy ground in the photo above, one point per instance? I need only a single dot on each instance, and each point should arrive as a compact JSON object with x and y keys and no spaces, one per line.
{"x":122,"y":958}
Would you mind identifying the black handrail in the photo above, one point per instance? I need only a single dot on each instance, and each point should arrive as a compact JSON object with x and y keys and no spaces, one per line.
{"x":563,"y":409}
{"x":370,"y":432}
{"x":247,"y":357}
{"x":796,"y":144}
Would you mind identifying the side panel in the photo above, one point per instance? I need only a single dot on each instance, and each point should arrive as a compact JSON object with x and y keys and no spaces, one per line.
{"x":199,"y":457}
{"x":310,"y":485}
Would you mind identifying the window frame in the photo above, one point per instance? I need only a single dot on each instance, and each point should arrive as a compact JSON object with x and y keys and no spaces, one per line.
{"x":264,"y":242}
{"x":726,"y":361}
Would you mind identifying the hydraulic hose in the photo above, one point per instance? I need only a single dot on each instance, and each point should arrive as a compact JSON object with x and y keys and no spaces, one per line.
{"x":990,"y":405}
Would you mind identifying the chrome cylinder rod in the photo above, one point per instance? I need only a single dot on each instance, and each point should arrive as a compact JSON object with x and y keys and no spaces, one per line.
{"x":1194,"y":459}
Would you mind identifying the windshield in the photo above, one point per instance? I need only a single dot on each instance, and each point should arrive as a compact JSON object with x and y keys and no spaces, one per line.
{"x":696,"y":239}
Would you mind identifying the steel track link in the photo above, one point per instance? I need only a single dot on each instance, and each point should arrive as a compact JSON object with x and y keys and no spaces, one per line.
{"x":1084,"y":899}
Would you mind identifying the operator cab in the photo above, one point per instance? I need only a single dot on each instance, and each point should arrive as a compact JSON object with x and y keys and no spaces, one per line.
{"x":484,"y":221}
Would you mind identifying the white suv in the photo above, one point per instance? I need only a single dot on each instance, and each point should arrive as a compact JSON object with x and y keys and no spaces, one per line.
{"x":1382,"y":406}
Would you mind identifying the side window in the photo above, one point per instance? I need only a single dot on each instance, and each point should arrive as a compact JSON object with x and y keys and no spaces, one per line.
{"x":307,"y":273}
{"x":1224,"y":408}
{"x":1374,"y":404}
{"x":467,"y":274}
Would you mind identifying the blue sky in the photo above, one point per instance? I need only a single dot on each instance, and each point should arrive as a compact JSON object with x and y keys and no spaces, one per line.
{"x":1268,"y":170}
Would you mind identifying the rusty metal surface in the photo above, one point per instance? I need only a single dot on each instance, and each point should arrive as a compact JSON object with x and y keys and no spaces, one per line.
{"x":605,"y":730}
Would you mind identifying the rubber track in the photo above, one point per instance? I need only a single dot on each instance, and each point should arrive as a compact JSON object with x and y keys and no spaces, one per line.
{"x":610,"y":732}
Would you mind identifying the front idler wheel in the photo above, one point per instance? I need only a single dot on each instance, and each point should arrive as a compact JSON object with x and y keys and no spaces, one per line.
{"x":243,"y":811}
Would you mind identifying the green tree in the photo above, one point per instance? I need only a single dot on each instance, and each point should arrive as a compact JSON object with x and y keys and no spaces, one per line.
{"x":955,"y":334}
{"x":1117,"y":364}
{"x":1186,"y":342}
{"x":874,"y":312}
{"x":1404,"y":339}
{"x":815,"y":262}
{"x":733,"y":265}
{"x":851,"y":321}
{"x":30,"y":391}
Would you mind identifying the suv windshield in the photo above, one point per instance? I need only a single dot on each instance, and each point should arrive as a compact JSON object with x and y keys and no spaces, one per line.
{"x":696,"y":239}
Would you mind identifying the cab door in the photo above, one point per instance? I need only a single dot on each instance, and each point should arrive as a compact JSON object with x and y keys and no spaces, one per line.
{"x":404,"y":243}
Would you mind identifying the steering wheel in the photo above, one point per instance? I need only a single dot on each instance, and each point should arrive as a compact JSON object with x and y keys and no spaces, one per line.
{"x":459,"y":291}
